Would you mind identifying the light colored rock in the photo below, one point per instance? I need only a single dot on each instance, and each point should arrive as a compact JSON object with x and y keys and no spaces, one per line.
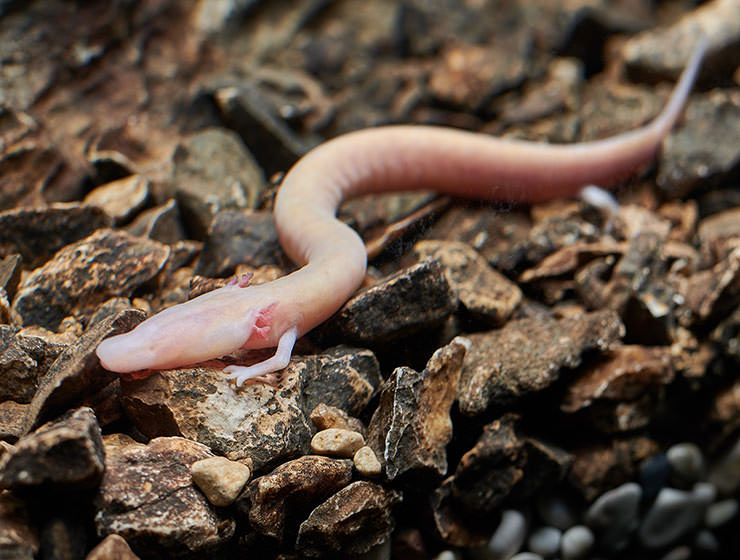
{"x":337,"y":442}
{"x":615,"y":515}
{"x":674,"y":513}
{"x":509,"y":536}
{"x":687,"y":464}
{"x":220,"y":479}
{"x":112,"y":547}
{"x":545,"y":541}
{"x":576,"y":543}
{"x":366,"y":462}
{"x":720,"y":512}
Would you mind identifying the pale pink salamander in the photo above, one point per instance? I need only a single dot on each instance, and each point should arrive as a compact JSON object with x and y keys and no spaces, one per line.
{"x":384,"y":159}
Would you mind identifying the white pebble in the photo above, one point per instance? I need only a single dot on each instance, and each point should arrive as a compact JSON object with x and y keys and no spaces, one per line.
{"x":545,"y":541}
{"x":366,"y":462}
{"x":509,"y":536}
{"x":576,"y":543}
{"x":527,"y":556}
{"x":556,"y":512}
{"x":720,"y":513}
{"x":674,"y":513}
{"x":220,"y":479}
{"x":338,"y":442}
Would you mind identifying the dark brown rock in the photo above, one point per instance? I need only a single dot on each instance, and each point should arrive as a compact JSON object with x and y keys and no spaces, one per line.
{"x":77,"y":372}
{"x":601,"y":467}
{"x":37,"y":234}
{"x":12,"y":415}
{"x":413,"y":299}
{"x":484,"y":293}
{"x":527,"y":355}
{"x":10,"y":274}
{"x":352,"y":521}
{"x":411,"y":427}
{"x":120,"y":199}
{"x":621,"y":392}
{"x":276,"y":501}
{"x":718,"y":233}
{"x":710,"y":293}
{"x":86,"y":273}
{"x":148,"y":498}
{"x":239,"y":237}
{"x":66,"y":453}
{"x":161,"y":223}
{"x":324,"y":417}
{"x":18,"y":540}
{"x":112,"y":547}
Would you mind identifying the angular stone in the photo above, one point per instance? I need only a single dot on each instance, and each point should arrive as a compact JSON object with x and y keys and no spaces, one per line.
{"x":411,"y":427}
{"x":77,"y":373}
{"x":483,"y":292}
{"x":366,"y":462}
{"x":12,"y":415}
{"x":36,"y":234}
{"x":18,"y":539}
{"x":527,"y":355}
{"x":219,"y":479}
{"x":621,"y":391}
{"x":337,"y":442}
{"x":352,"y":521}
{"x":324,"y":416}
{"x":161,"y":223}
{"x":718,"y":233}
{"x":120,"y":199}
{"x":413,"y":299}
{"x":148,"y":498}
{"x":291,"y":491}
{"x":112,"y":547}
{"x":84,"y":274}
{"x":10,"y":274}
{"x":214,"y":171}
{"x":265,"y":423}
{"x":238,"y":237}
{"x":67,"y":453}
{"x":708,"y":293}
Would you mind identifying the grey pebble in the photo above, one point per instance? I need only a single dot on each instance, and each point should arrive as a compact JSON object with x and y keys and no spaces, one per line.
{"x":720,"y":512}
{"x":614,"y":515}
{"x":509,"y":536}
{"x":678,"y":553}
{"x":527,"y":556}
{"x":545,"y":541}
{"x":687,"y":464}
{"x":725,"y":474}
{"x":706,"y":542}
{"x":576,"y":543}
{"x":556,"y":512}
{"x":674,"y":513}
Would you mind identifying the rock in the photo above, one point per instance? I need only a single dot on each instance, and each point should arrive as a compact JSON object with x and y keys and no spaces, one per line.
{"x":84,"y":274}
{"x":406,"y":302}
{"x":36,"y":234}
{"x":148,"y":498}
{"x":77,"y":374}
{"x":265,"y":423}
{"x":337,"y":442}
{"x":291,"y":491}
{"x":161,"y":223}
{"x":718,"y":233}
{"x":367,"y":463}
{"x":556,"y":511}
{"x":527,"y":355}
{"x":508,"y":537}
{"x":674,"y":513}
{"x":219,"y":479}
{"x":65,"y":530}
{"x":352,"y":521}
{"x":708,"y":293}
{"x":725,"y":472}
{"x":67,"y":453}
{"x":687,"y":464}
{"x":544,"y":541}
{"x":24,"y":360}
{"x":484,"y":293}
{"x":527,"y":556}
{"x":120,"y":199}
{"x":10,"y":274}
{"x":576,"y":543}
{"x":238,"y":237}
{"x":324,"y":416}
{"x":411,"y":427}
{"x":112,"y":547}
{"x":654,"y":475}
{"x":614,"y":516}
{"x":719,"y":513}
{"x":18,"y":539}
{"x":213,"y":172}
{"x":12,"y":415}
{"x":620,"y":392}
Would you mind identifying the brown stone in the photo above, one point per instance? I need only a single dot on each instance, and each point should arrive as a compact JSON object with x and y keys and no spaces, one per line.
{"x":411,"y":427}
{"x":161,"y":223}
{"x":120,"y":199}
{"x":219,"y":479}
{"x":709,"y":293}
{"x":10,"y":274}
{"x":12,"y":415}
{"x":352,"y":521}
{"x":324,"y":416}
{"x":482,"y":291}
{"x":18,"y":540}
{"x":337,"y":442}
{"x":291,"y":491}
{"x":66,"y":453}
{"x":84,"y":274}
{"x":719,"y":233}
{"x":112,"y":547}
{"x":527,"y":355}
{"x":148,"y":498}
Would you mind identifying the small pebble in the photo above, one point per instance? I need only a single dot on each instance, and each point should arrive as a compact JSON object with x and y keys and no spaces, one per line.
{"x":219,"y":479}
{"x":705,"y":542}
{"x":446,"y":555}
{"x":324,"y":417}
{"x":678,"y":553}
{"x":337,"y":442}
{"x":687,"y":464}
{"x":576,"y":543}
{"x":366,"y":462}
{"x":654,"y":475}
{"x":545,"y":541}
{"x":720,"y":513}
{"x":674,"y":514}
{"x":527,"y":556}
{"x":509,"y":536}
{"x":614,"y":515}
{"x":725,"y":474}
{"x":556,"y":512}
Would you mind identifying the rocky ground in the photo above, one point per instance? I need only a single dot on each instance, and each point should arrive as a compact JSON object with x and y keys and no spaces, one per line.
{"x":544,"y":381}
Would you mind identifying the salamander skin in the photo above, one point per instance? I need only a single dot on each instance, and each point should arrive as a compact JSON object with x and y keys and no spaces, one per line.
{"x":333,"y":257}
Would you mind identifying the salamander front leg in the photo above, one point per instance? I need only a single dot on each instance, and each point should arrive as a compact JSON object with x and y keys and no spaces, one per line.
{"x":277,"y":362}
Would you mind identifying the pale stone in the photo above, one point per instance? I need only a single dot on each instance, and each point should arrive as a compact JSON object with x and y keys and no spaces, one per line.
{"x":220,"y":479}
{"x":366,"y":462}
{"x":337,"y":442}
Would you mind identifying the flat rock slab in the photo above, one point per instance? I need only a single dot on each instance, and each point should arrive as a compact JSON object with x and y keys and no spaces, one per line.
{"x":527,"y":355}
{"x":147,"y":496}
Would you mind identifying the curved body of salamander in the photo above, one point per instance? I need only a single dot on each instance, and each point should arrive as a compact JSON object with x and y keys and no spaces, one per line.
{"x":332,"y":256}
